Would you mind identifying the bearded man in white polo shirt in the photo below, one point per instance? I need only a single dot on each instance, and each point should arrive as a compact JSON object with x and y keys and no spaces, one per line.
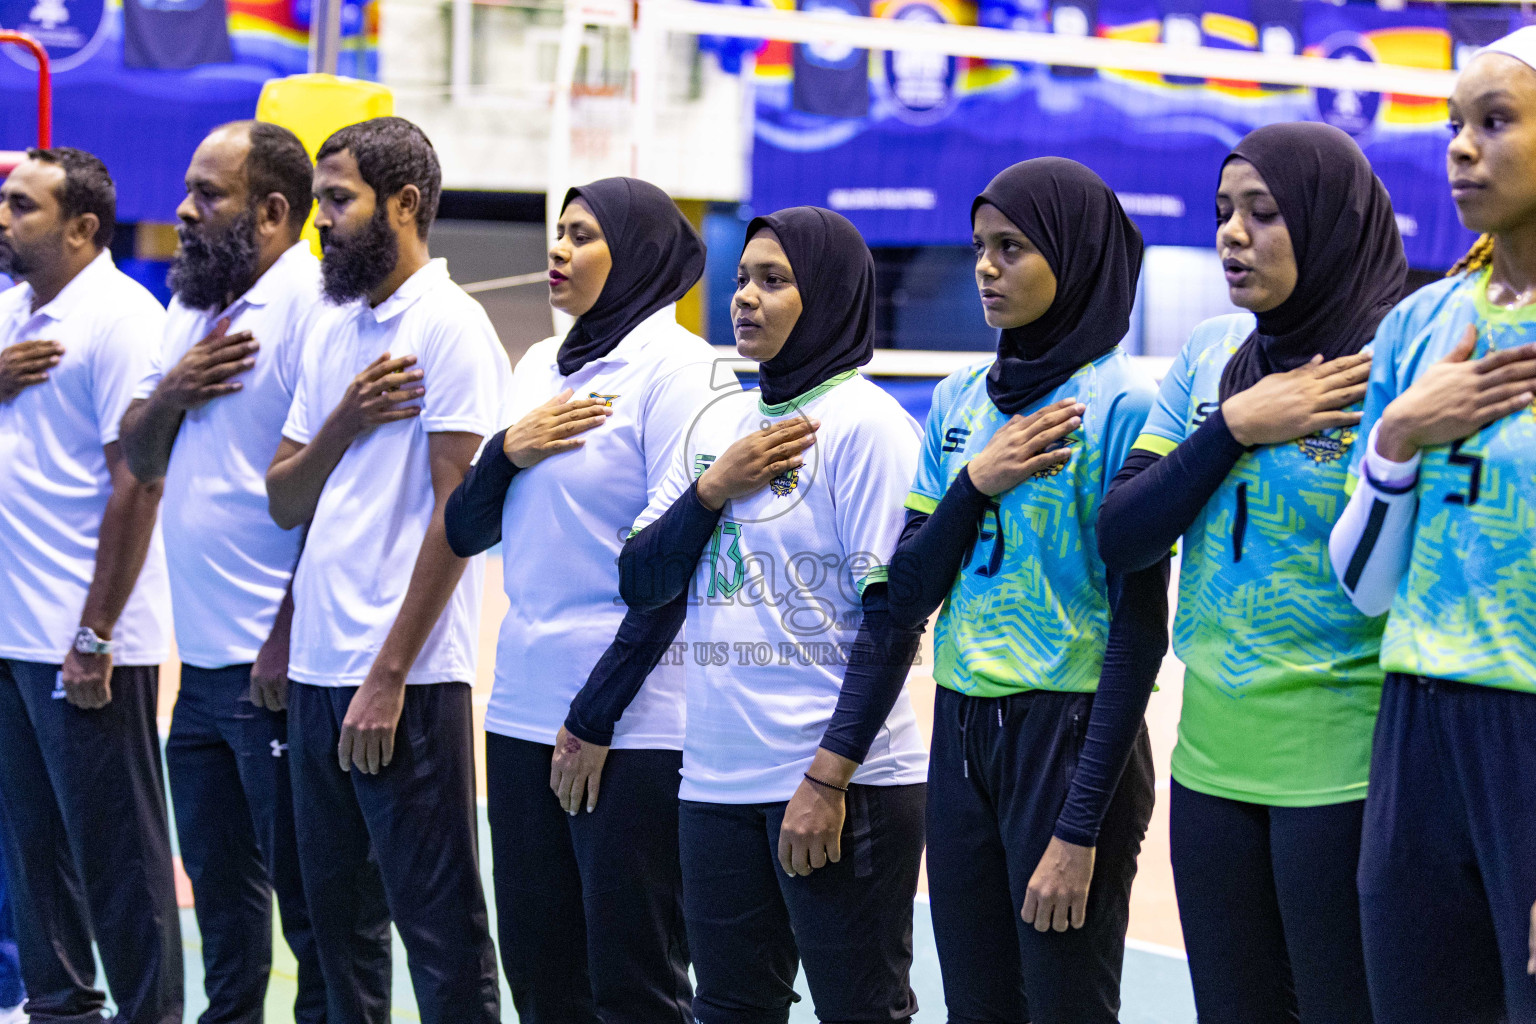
{"x":207,"y":420}
{"x":399,"y":386}
{"x":83,"y":604}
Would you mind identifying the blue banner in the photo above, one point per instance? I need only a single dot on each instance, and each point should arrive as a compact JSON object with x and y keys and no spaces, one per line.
{"x":175,"y":34}
{"x":143,"y":122}
{"x":938,"y":128}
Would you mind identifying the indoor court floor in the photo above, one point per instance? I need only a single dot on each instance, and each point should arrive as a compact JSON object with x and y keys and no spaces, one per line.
{"x":1156,"y":986}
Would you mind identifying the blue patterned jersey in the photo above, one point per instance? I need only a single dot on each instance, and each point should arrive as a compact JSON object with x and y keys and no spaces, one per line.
{"x":1282,"y":681}
{"x":1466,"y":610}
{"x":1029,"y":609}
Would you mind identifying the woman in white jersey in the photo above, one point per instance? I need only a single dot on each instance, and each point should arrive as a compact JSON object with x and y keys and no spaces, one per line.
{"x":589,"y":905}
{"x":803,"y":794}
{"x":1441,"y":535}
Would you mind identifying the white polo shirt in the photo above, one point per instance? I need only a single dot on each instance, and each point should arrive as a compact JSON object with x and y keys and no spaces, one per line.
{"x":565,"y":520}
{"x":777,"y":595}
{"x":229,"y":563}
{"x":377,"y":503}
{"x":54,"y":482}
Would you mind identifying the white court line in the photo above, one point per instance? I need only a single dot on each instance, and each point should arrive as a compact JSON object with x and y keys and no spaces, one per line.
{"x":1156,"y":949}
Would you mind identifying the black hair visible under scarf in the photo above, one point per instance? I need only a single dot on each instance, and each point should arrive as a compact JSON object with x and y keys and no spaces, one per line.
{"x":1094,"y":250}
{"x":836,"y":277}
{"x":1349,"y":257}
{"x":657,"y":257}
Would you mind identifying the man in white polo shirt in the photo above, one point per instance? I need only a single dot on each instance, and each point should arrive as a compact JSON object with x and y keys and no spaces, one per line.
{"x":398,"y":387}
{"x":82,"y":628}
{"x":206,"y":420}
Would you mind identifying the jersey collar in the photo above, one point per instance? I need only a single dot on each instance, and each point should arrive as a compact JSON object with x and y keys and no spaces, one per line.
{"x":800,"y":401}
{"x":414,"y":287}
{"x":639,"y":336}
{"x":1498,"y":314}
{"x":269,"y":286}
{"x":77,"y":291}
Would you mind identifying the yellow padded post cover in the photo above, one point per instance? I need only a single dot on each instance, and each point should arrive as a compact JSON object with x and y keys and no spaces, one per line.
{"x":315,"y":106}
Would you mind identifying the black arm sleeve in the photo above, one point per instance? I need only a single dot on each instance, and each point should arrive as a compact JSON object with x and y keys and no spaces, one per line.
{"x":472,"y":517}
{"x":931,"y":551}
{"x":643,"y":638}
{"x":877,"y":670}
{"x":1138,"y":639}
{"x":657,"y":563}
{"x":1153,"y":500}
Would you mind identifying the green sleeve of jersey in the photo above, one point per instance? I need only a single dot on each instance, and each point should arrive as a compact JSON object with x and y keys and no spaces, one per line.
{"x":921,"y":503}
{"x":1157,"y":444}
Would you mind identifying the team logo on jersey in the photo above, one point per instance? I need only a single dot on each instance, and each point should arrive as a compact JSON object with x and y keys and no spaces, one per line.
{"x":955,"y":438}
{"x":784,"y":483}
{"x":1327,"y":446}
{"x":607,"y":400}
{"x":701,"y":463}
{"x":1065,"y":442}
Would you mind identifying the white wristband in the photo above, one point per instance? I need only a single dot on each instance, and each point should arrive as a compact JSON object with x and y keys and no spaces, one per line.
{"x":1385,"y":471}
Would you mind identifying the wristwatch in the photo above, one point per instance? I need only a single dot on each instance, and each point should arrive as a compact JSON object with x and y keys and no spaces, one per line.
{"x":87,"y":642}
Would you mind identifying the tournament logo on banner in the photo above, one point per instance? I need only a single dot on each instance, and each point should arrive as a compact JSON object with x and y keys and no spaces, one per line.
{"x":1348,"y":109}
{"x":71,"y":30}
{"x":919,"y":86}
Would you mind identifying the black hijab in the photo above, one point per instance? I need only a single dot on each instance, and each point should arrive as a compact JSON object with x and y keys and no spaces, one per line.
{"x":1349,"y":257}
{"x":657,"y":257}
{"x":1094,"y":250}
{"x":836,"y":277}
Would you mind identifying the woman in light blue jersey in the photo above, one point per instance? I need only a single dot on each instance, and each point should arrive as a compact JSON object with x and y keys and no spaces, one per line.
{"x":1439,"y":535}
{"x":1246,"y":459}
{"x":1040,"y":779}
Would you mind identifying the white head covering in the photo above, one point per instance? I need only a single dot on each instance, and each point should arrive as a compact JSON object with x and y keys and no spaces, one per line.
{"x":1519,"y":44}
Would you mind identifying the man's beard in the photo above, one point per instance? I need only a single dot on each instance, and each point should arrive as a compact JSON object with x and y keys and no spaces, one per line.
{"x":355,"y":266}
{"x":211,"y":270}
{"x":16,"y":264}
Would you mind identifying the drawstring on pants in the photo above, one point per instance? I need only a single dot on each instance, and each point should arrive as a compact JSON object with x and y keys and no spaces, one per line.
{"x":967,"y":709}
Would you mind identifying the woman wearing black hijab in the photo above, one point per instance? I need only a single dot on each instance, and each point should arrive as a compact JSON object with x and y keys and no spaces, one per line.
{"x":1040,"y":785}
{"x":1247,"y":457}
{"x":588,"y":892}
{"x":803,"y":768}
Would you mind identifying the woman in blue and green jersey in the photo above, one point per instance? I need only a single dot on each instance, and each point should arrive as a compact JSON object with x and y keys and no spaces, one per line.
{"x":1246,"y":457}
{"x":1040,"y":778}
{"x":1441,"y":535}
